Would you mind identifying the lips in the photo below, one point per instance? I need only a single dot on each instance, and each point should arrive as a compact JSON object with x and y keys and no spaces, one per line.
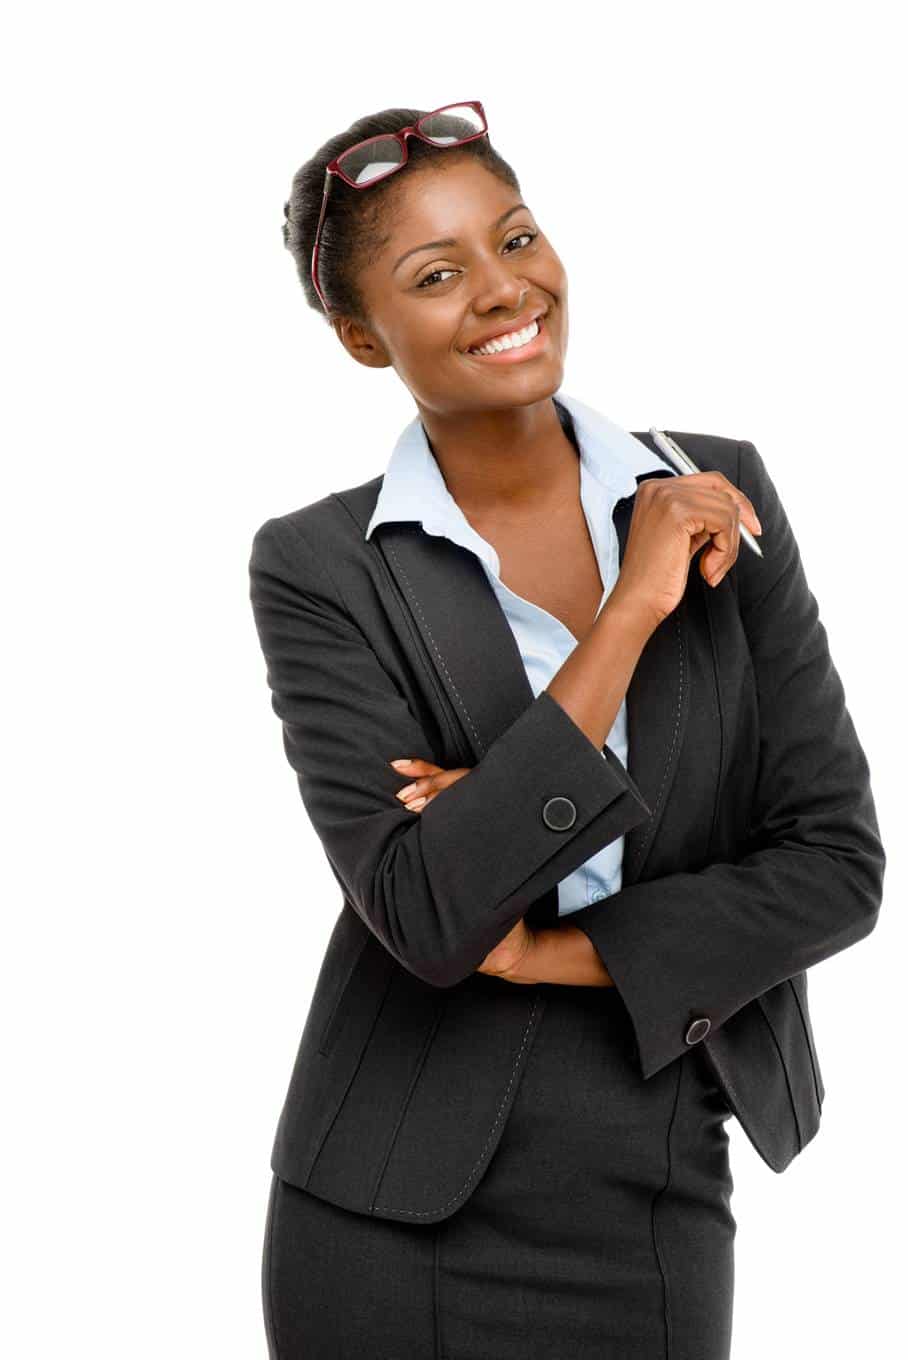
{"x":506,"y":330}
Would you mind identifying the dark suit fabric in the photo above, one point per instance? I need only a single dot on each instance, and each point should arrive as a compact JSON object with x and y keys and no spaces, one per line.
{"x":602,"y":1226}
{"x":752,"y":853}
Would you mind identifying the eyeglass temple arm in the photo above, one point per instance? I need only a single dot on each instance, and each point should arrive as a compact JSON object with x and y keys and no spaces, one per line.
{"x":329,"y":175}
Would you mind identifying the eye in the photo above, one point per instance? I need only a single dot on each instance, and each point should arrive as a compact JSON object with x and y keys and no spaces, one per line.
{"x":429,"y":277}
{"x":427,"y":281}
{"x":530,"y":234}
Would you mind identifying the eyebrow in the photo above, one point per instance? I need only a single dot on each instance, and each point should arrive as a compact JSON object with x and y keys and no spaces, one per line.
{"x":452,"y":240}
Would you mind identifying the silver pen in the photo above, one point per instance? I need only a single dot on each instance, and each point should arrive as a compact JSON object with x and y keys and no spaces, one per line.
{"x":679,"y":459}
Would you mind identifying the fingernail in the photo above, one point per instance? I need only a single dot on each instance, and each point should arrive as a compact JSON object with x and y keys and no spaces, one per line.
{"x":402,"y":793}
{"x":396,"y":763}
{"x":416,"y":804}
{"x":759,"y":525}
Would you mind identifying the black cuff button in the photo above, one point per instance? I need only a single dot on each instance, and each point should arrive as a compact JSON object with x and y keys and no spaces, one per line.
{"x":697,"y":1030}
{"x":559,"y":814}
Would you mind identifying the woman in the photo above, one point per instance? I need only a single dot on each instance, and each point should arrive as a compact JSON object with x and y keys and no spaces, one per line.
{"x":574,"y":943}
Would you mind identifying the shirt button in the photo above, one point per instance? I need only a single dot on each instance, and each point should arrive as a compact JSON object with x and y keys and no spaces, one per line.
{"x":598,"y":896}
{"x":559,"y":814}
{"x":697,"y":1030}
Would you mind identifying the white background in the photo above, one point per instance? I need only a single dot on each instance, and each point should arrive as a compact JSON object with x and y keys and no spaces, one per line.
{"x":722,"y":183}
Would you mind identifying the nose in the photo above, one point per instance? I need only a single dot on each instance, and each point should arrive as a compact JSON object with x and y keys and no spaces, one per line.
{"x":505,"y":294}
{"x":498,"y":286}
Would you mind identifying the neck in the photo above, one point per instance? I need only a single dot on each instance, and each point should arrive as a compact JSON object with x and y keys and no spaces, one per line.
{"x":519,"y":459}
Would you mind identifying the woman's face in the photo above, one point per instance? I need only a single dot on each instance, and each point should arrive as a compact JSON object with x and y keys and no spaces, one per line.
{"x":429,"y":303}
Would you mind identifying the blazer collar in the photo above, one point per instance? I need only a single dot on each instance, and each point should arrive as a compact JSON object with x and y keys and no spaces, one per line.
{"x":478,"y":663}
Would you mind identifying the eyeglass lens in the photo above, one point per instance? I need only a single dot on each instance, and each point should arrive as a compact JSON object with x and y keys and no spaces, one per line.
{"x":453,"y":125}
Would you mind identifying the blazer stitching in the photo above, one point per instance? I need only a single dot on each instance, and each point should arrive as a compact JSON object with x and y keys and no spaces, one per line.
{"x":343,"y":600}
{"x":480,"y":743}
{"x":641,"y":849}
{"x":424,"y":1213}
{"x":727,"y":1086}
{"x":813,"y":1065}
{"x":378,"y":554}
{"x":405,"y":1104}
{"x":352,"y":1077}
{"x":324,"y":1046}
{"x":784,"y":1066}
{"x":722,"y":719}
{"x":455,"y":731}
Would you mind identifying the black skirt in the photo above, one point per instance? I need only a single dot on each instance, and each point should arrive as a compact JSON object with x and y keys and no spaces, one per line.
{"x":602,"y":1226}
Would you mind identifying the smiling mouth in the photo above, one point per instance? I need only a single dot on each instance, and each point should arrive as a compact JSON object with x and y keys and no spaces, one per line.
{"x":515,"y":353}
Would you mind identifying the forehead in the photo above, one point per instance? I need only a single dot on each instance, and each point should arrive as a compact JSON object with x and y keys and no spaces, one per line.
{"x":445,"y":202}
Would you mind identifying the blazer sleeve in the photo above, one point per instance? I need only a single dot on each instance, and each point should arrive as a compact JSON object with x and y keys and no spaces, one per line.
{"x":439,"y":888}
{"x":705,"y":944}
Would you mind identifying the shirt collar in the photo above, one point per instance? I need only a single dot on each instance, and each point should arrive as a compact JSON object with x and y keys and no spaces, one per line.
{"x":414,"y":489}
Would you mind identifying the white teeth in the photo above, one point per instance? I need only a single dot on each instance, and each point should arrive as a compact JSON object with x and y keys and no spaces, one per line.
{"x":512,"y":341}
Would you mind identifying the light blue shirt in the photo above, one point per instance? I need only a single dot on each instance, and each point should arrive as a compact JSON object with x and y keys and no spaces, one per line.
{"x":611,"y":459}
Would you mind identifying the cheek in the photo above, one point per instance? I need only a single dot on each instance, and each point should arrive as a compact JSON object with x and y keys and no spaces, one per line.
{"x":421,"y":361}
{"x":427,"y":363}
{"x":555,"y":274}
{"x":426,"y":331}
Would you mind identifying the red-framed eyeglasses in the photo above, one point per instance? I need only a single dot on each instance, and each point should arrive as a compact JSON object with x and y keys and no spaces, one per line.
{"x":376,"y":158}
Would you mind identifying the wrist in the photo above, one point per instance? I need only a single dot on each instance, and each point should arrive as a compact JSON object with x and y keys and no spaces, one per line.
{"x":636,"y":617}
{"x":563,"y":954}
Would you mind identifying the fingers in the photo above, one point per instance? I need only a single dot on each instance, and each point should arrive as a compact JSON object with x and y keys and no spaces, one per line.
{"x":434,"y":778}
{"x":711,"y":508}
{"x":415,"y":766}
{"x":717,"y":481}
{"x":698,"y":540}
{"x":721,"y":521}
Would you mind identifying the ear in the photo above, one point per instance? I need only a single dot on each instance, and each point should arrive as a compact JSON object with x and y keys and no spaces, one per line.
{"x":361,"y":342}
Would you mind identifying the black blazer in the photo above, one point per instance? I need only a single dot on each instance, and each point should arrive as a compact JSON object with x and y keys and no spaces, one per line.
{"x":752,"y":846}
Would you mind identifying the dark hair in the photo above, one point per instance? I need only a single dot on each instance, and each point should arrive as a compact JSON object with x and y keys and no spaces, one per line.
{"x":356,"y":222}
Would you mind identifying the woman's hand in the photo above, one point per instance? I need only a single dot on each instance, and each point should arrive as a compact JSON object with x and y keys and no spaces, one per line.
{"x":673,"y":517}
{"x":562,"y":954}
{"x":429,"y":783}
{"x":514,"y":949}
{"x":511,"y":957}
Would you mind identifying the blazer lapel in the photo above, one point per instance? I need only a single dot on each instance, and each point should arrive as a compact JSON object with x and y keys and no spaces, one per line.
{"x":657,"y":700}
{"x":478,"y":664}
{"x":464,"y":629}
